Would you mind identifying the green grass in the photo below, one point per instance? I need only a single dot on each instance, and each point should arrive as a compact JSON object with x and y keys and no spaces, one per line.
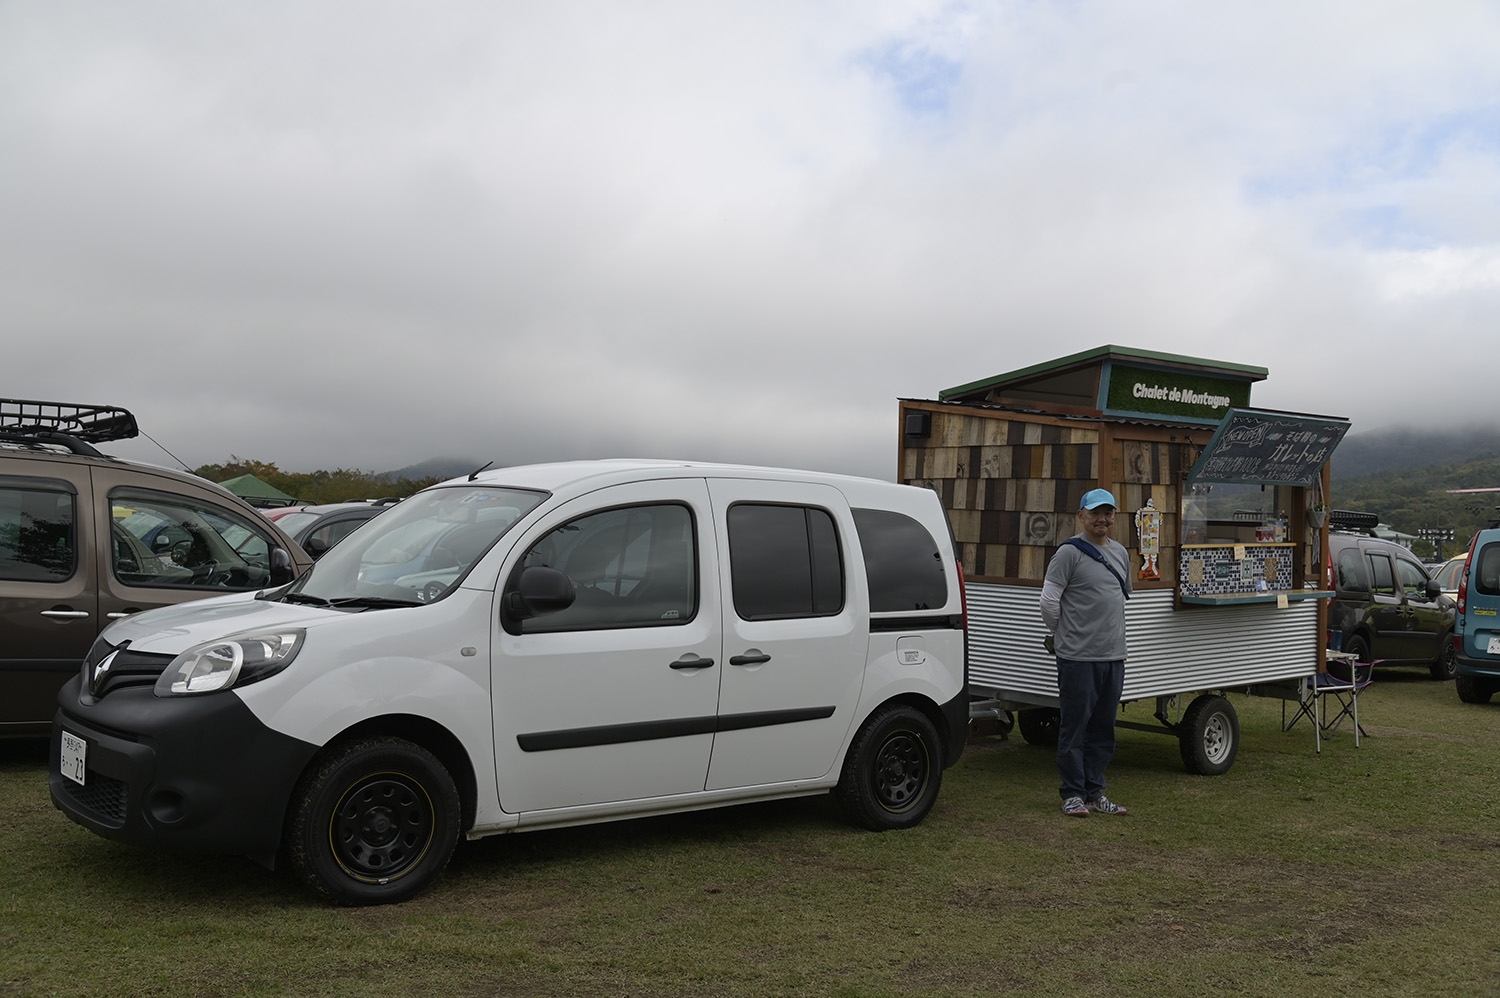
{"x":1364,"y":871}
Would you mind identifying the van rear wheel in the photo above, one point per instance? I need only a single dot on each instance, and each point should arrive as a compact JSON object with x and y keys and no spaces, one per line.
{"x":1471,"y":690}
{"x":893,"y":770}
{"x":374,"y":822}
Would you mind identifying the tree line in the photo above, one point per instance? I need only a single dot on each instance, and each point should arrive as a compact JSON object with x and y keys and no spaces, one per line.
{"x":1410,"y":499}
{"x":317,"y":487}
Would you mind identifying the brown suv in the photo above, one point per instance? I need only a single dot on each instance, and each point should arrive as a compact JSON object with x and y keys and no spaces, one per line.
{"x":86,"y":539}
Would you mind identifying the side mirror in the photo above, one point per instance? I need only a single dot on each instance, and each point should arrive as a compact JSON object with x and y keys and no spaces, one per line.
{"x":539,"y":590}
{"x":281,"y":567}
{"x":1433,"y":590}
{"x":316,"y":547}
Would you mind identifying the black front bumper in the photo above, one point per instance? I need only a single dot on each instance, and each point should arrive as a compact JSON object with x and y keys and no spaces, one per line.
{"x":201,"y":774}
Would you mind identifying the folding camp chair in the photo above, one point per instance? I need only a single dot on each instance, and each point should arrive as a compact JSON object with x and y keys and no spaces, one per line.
{"x":1345,"y":693}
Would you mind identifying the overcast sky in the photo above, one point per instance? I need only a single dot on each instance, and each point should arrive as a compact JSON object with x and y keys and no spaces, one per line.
{"x":363,"y":234}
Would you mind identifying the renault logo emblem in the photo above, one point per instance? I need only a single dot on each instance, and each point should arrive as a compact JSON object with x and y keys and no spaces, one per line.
{"x":102,"y":669}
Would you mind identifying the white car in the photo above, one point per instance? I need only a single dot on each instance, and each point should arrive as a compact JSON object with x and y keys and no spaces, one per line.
{"x":529,"y":648}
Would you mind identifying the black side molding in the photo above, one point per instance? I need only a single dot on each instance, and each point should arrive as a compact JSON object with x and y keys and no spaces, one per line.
{"x":679,"y":727}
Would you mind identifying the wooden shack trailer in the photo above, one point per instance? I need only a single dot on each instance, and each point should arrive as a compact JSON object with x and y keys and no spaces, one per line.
{"x":1227,"y":601}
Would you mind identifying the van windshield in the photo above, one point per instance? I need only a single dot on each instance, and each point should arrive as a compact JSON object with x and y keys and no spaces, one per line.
{"x":417,"y":550}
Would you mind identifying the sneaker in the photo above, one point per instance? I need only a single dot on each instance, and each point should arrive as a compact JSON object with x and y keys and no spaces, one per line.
{"x":1104,"y":805}
{"x":1074,"y":807}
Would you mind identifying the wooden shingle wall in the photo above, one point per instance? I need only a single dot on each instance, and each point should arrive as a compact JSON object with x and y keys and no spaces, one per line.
{"x":1012,"y":486}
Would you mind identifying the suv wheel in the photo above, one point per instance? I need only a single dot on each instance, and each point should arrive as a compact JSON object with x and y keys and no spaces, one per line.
{"x":1445,"y":666}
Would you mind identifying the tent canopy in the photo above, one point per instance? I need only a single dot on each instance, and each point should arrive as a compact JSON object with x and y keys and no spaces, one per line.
{"x":257,"y":492}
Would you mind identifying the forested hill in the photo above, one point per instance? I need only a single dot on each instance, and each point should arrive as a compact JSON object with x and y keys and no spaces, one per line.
{"x":1363,"y":454}
{"x":1404,"y":477}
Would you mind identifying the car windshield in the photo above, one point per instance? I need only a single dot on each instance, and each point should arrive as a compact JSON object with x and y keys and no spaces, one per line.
{"x":415,"y":551}
{"x":293,"y":522}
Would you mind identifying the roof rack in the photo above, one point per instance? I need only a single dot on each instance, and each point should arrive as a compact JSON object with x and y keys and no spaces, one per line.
{"x":73,"y":425}
{"x":1352,"y":520}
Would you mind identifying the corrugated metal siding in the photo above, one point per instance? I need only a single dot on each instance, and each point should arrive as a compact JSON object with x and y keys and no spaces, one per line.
{"x":1171,"y":651}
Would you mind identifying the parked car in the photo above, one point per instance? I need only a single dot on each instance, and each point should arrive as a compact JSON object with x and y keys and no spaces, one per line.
{"x":1446,"y":574}
{"x":1476,"y":641}
{"x":87,"y":539}
{"x":583,"y":641}
{"x":1386,"y":608}
{"x":318,"y":528}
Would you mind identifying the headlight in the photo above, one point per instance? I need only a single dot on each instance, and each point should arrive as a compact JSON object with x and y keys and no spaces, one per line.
{"x":218,"y":665}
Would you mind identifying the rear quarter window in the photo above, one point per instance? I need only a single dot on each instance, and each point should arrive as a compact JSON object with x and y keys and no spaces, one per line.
{"x":1485,"y":575}
{"x":903,"y":563}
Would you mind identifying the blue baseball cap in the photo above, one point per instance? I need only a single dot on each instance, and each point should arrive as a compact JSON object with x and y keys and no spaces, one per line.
{"x":1094,"y":498}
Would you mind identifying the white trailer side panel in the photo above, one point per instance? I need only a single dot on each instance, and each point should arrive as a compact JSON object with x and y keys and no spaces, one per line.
{"x":1171,"y":651}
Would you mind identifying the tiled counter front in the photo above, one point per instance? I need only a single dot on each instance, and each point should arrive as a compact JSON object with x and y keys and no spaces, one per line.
{"x":1214,"y":569}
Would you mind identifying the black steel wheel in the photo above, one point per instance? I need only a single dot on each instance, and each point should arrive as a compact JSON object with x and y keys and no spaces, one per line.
{"x":893,"y":770}
{"x":374,"y":822}
{"x":1039,"y":725}
{"x":1209,"y":736}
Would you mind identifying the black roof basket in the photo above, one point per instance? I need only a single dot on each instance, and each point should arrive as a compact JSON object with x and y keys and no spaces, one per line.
{"x":1353,"y":521}
{"x":68,"y":424}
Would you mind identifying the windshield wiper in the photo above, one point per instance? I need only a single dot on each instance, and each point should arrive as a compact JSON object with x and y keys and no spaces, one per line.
{"x":306,"y":598}
{"x":372,"y":601}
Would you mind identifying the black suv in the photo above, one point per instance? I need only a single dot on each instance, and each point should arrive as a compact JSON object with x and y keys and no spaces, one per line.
{"x":1388,"y":609}
{"x":86,"y":539}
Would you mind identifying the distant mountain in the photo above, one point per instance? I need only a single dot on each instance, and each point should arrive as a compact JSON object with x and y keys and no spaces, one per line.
{"x":441,"y":468}
{"x":1362,"y":454}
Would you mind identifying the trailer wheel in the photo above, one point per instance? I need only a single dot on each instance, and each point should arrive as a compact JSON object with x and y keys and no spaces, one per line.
{"x":1038,"y":725}
{"x":1471,"y":690}
{"x":1210,"y":735}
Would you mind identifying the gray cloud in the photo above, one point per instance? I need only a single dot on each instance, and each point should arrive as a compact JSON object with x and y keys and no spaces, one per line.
{"x":361,"y":235}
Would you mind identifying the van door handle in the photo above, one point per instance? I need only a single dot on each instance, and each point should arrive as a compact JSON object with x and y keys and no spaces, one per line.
{"x":693,"y":663}
{"x":755,"y":659}
{"x":65,"y":614}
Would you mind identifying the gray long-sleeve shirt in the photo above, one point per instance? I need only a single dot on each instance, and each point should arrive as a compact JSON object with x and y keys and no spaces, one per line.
{"x":1082,"y":604}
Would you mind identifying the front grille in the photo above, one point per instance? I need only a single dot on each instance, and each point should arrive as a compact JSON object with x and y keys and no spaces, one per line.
{"x":125,"y":669}
{"x":103,"y":797}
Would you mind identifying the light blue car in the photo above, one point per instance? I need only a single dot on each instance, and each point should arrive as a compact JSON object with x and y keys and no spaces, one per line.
{"x":1477,"y":634}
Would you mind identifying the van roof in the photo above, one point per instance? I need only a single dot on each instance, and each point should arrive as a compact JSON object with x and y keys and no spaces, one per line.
{"x":577,"y":477}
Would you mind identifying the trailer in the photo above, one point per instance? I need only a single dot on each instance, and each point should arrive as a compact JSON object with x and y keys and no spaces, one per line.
{"x":1221,"y":509}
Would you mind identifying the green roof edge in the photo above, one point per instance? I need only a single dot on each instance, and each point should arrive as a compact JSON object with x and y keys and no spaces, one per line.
{"x":1105,"y":353}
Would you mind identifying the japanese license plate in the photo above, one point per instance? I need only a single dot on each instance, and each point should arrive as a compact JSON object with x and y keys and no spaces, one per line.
{"x":1494,"y":648}
{"x":74,"y":752}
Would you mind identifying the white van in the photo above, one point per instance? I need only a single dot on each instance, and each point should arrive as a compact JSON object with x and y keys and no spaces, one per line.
{"x":528,"y":648}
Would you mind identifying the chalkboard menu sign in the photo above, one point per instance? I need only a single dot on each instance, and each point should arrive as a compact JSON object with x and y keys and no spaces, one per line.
{"x":1257,"y":447}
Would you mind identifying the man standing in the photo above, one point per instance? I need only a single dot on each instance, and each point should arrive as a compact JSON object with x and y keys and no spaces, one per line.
{"x":1083,"y":605}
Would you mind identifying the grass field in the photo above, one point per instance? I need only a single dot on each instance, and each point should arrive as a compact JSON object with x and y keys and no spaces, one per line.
{"x":1364,"y":871}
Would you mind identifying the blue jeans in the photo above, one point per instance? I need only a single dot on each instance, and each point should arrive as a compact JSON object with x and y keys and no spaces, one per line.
{"x":1088,"y":697}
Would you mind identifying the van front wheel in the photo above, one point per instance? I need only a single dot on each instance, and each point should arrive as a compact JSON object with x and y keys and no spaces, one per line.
{"x":892,"y":773}
{"x":374,"y":822}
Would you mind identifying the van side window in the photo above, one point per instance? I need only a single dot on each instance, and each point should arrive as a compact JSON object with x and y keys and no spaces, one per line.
{"x":171,"y":542}
{"x":1485,"y":575}
{"x":631,"y":567}
{"x":902,"y":561}
{"x":38,"y":540}
{"x":784,"y":561}
{"x":1351,"y":571}
{"x":1384,"y":583}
